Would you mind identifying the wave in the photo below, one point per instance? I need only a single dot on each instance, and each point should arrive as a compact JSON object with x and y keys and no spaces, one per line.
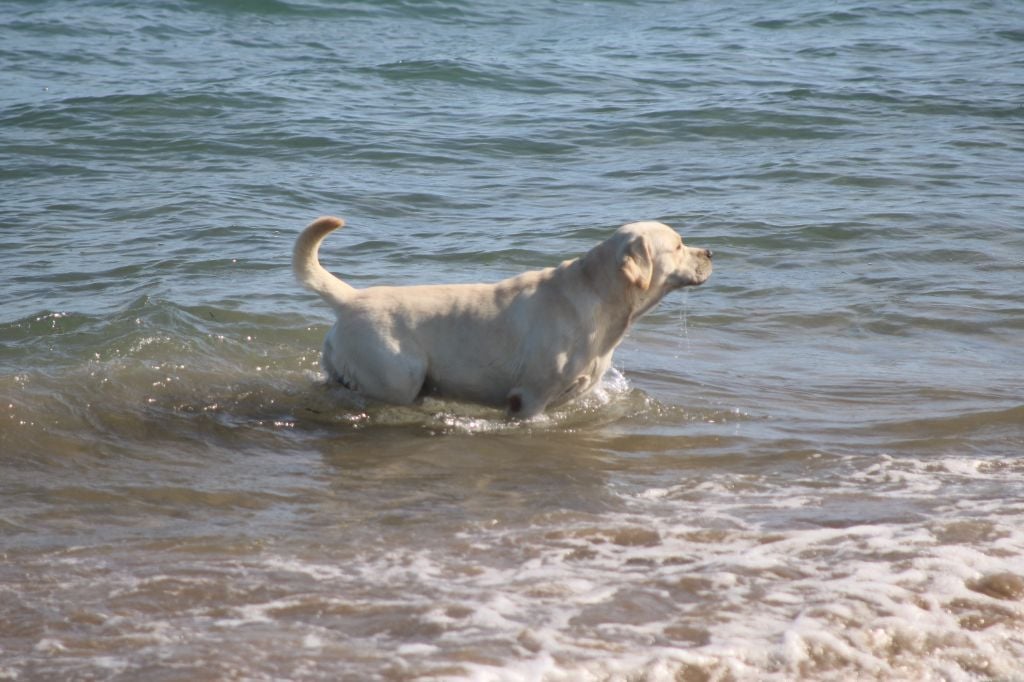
{"x":440,"y":11}
{"x":160,"y":372}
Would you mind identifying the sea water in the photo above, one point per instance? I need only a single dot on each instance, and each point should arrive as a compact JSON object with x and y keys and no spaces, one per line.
{"x":814,"y":473}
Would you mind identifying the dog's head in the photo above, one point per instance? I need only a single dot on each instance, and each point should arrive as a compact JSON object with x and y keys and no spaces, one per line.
{"x":645,"y":261}
{"x":653,"y":260}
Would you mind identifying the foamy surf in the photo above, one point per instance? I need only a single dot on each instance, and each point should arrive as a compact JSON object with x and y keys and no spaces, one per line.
{"x":682,"y":582}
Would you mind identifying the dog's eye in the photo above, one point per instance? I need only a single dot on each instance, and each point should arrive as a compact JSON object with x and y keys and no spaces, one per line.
{"x":679,"y":246}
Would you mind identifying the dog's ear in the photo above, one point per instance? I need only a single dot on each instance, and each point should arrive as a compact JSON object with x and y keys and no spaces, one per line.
{"x":637,"y":263}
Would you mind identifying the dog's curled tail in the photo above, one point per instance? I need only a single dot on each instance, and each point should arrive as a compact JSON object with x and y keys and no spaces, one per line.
{"x":306,"y":263}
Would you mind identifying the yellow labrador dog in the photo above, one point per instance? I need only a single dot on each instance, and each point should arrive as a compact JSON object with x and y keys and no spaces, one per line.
{"x":525,"y":344}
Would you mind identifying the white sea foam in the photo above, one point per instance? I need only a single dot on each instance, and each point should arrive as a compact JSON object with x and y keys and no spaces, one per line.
{"x":738,"y":582}
{"x":49,"y":645}
{"x":316,"y":571}
{"x":718,"y":573}
{"x":874,"y":600}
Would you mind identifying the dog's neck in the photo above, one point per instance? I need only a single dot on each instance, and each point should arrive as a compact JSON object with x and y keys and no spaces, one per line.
{"x":621,"y":303}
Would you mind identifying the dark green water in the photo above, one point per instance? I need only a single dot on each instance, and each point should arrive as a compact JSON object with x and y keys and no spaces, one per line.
{"x":809,"y":468}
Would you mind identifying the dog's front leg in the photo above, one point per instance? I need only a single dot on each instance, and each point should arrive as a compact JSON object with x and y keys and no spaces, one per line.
{"x":554,"y":388}
{"x":524,"y":403}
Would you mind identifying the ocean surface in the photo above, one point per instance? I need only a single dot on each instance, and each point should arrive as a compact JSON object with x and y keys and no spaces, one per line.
{"x":810,"y":468}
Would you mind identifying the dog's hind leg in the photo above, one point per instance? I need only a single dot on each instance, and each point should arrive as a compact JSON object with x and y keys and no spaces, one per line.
{"x":376,"y":368}
{"x":391,"y":377}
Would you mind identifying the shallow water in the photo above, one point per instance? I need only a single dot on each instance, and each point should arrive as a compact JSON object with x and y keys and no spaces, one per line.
{"x":808,"y":468}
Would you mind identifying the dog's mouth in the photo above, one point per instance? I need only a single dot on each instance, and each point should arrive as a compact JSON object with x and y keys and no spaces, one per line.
{"x":695,"y":279}
{"x":674,"y":282}
{"x":703,"y":275}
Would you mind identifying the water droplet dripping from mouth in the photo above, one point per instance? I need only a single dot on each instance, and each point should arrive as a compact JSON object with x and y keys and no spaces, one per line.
{"x":684,"y":329}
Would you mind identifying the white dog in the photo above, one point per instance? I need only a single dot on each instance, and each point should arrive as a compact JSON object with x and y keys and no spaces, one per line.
{"x":524,"y":344}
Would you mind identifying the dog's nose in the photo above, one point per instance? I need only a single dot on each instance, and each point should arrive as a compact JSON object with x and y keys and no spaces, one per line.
{"x":709,"y":253}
